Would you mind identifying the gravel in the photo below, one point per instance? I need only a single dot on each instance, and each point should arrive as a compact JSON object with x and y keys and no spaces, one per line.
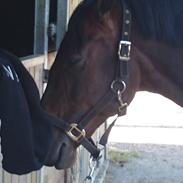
{"x":156,"y":164}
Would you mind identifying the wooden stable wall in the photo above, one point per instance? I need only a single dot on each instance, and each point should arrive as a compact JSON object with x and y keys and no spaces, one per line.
{"x":35,"y":67}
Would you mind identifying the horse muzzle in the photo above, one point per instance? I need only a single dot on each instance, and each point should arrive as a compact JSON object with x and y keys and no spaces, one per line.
{"x":62,"y":153}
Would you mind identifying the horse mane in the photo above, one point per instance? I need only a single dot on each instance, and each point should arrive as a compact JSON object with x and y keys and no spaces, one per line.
{"x":161,"y":20}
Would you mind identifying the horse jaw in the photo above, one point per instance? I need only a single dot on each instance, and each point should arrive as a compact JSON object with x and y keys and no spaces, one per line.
{"x":156,"y":78}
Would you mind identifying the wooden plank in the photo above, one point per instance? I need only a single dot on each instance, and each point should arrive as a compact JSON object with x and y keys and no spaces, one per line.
{"x":29,"y":179}
{"x":73,"y":174}
{"x":37,"y":74}
{"x":6,"y":177}
{"x":40,"y":75}
{"x":84,"y":159}
{"x":15,"y":179}
{"x":22,"y":179}
{"x":1,"y":175}
{"x":33,"y":61}
{"x":38,"y":78}
{"x":38,"y":178}
{"x":51,"y":58}
{"x":32,"y":71}
{"x":34,"y":177}
{"x":73,"y":5}
{"x":51,"y":175}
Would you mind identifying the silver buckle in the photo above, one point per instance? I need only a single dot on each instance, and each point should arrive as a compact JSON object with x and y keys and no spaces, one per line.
{"x":124,"y":50}
{"x":74,"y":128}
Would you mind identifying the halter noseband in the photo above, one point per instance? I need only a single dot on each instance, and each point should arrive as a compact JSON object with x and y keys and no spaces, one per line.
{"x":76,"y":132}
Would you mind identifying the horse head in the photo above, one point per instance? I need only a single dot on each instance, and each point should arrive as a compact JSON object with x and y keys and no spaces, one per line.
{"x":85,"y":68}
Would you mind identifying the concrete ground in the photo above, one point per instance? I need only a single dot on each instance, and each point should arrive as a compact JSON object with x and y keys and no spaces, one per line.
{"x":154,"y":129}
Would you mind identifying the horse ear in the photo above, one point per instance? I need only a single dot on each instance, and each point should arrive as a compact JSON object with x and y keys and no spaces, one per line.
{"x":104,"y":6}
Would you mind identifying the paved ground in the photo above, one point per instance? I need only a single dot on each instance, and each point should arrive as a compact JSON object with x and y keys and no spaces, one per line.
{"x":154,"y":129}
{"x":155,"y":164}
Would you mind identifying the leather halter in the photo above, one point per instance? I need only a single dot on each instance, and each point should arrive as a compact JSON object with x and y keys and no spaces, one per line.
{"x":76,"y":131}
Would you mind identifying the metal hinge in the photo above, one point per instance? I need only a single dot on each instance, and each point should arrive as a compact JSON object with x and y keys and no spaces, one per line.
{"x":45,"y":75}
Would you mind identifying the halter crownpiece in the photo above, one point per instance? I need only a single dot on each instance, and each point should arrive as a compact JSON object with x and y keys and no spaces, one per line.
{"x":125,"y":44}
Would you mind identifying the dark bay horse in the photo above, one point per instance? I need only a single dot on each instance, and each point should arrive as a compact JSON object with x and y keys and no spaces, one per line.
{"x":86,"y":63}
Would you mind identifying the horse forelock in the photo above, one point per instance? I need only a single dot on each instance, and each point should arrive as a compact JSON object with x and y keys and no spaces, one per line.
{"x":86,"y":21}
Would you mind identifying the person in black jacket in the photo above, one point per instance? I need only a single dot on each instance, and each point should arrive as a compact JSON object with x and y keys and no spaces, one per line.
{"x":25,"y":127}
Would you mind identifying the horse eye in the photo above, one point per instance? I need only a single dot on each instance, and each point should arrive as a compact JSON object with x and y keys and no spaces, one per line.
{"x":75,"y":60}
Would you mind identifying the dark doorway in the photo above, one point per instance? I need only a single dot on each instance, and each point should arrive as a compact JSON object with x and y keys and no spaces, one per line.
{"x":17,"y":19}
{"x":52,"y":26}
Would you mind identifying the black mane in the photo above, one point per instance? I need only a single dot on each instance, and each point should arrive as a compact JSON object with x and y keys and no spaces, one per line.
{"x":159,"y":19}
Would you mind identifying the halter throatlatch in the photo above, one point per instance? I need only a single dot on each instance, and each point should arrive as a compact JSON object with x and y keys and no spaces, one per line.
{"x":76,"y":131}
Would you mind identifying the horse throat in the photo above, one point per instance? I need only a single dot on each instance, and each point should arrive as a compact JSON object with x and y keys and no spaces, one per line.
{"x":161,"y":70}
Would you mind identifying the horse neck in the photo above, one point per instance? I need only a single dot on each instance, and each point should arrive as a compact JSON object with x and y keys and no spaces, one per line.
{"x":161,"y":69}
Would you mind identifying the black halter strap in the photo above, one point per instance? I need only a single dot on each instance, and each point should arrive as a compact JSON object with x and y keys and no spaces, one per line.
{"x":76,"y":132}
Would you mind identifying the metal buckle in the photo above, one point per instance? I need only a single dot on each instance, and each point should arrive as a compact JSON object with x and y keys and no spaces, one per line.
{"x":124,"y":50}
{"x":75,"y":129}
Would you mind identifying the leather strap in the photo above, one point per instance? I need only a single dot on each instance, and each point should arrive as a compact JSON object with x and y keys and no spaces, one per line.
{"x":104,"y":138}
{"x":99,"y":107}
{"x":91,"y":147}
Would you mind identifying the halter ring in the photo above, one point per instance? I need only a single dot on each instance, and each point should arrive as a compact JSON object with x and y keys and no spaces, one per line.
{"x":118,"y":85}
